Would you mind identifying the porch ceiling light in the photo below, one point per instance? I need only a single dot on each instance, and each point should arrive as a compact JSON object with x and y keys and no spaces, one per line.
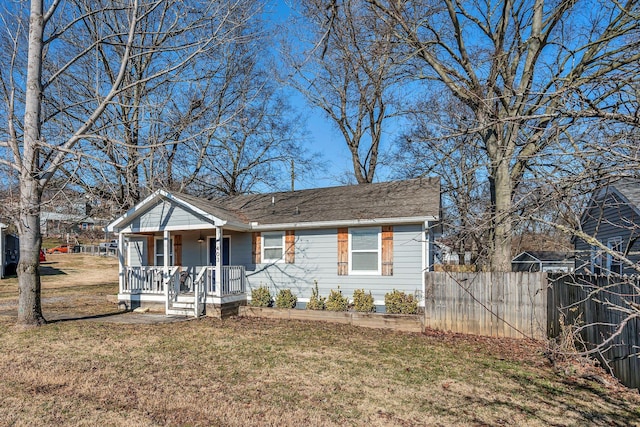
{"x":201,"y":239}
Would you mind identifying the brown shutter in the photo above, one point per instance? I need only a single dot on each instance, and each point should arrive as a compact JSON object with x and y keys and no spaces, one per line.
{"x":290,"y":247}
{"x":177,"y":249}
{"x":343,"y":251}
{"x":151,"y":249}
{"x":387,"y":250}
{"x":256,"y":248}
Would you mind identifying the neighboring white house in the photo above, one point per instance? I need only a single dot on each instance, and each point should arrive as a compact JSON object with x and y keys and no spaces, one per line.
{"x":376,"y":237}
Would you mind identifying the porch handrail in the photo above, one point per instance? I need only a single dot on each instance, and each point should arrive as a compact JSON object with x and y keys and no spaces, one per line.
{"x":143,"y":279}
{"x":149,"y":279}
{"x":173,"y":282}
{"x":233,"y":280}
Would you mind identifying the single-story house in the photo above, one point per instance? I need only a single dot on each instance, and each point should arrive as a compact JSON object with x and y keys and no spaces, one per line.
{"x":59,"y":224}
{"x":545,"y":261}
{"x":188,"y":253}
{"x":613,"y":219}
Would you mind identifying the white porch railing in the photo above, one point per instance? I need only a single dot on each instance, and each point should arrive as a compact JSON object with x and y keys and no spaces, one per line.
{"x":232,"y":277}
{"x":149,"y":280}
{"x":143,"y":280}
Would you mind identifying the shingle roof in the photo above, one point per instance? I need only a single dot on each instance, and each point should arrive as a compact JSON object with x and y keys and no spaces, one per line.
{"x":547,"y":255}
{"x":398,"y":199}
{"x":629,"y":188}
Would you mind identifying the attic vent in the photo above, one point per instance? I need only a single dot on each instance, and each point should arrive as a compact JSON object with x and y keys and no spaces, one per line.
{"x":297,"y":211}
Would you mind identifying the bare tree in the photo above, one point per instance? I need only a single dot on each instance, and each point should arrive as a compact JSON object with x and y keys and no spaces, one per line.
{"x":436,"y":143}
{"x":345,"y":63}
{"x":527,"y":70}
{"x":59,"y":118}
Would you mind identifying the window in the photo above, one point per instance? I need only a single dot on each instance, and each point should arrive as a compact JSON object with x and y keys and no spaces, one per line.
{"x":272,"y":247}
{"x":596,"y":260}
{"x":364,"y":253}
{"x":614,"y":263}
{"x":159,"y":251}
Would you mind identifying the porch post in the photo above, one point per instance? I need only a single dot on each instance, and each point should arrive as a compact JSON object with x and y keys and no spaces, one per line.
{"x":121,"y":272}
{"x":165,"y":268}
{"x":218,"y":271}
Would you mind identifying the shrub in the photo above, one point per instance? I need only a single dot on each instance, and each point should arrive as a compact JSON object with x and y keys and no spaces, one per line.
{"x":286,"y":299}
{"x":261,"y":297}
{"x":363,"y":302}
{"x":397,"y":302}
{"x":316,"y":302}
{"x":337,"y":302}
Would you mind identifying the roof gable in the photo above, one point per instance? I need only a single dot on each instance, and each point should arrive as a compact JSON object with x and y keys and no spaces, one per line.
{"x":142,"y":215}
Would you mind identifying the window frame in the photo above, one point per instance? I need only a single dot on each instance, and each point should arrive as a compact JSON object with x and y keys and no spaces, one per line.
{"x":378,"y":250}
{"x":156,"y":253}
{"x":596,"y":261}
{"x":264,"y":247}
{"x":614,"y":244}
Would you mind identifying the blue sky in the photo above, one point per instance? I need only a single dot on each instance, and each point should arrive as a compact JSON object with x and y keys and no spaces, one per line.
{"x":323,"y":136}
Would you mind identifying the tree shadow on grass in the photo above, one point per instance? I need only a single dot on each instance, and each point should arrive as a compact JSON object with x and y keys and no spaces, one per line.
{"x":47,"y":270}
{"x":89,"y":317}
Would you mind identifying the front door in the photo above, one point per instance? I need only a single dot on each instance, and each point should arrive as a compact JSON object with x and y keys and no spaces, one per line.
{"x":225,"y":251}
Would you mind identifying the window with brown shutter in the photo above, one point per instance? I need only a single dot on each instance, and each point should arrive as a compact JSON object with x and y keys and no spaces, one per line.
{"x":150,"y":249}
{"x":387,"y":250}
{"x":343,"y":251}
{"x":256,"y":248}
{"x":177,"y":249}
{"x":290,"y":248}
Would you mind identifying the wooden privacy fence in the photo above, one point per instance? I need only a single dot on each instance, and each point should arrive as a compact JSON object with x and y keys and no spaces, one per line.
{"x":600,"y":304}
{"x":535,"y":305}
{"x":491,"y":304}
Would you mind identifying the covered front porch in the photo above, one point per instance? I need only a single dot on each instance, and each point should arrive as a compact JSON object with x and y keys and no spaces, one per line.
{"x":177,"y":259}
{"x":178,"y":283}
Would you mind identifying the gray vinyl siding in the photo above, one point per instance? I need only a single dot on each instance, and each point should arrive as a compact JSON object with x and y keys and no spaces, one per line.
{"x":316,"y":260}
{"x":605,"y":221}
{"x":166,"y":214}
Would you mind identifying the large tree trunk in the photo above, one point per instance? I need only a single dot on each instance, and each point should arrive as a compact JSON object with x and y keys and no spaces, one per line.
{"x":501,"y":185}
{"x":29,"y":308}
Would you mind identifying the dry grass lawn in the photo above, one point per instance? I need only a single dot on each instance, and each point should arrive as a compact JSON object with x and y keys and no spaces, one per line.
{"x":241,"y":372}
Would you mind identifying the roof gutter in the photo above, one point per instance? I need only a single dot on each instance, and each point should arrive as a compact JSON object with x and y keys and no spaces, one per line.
{"x":255,"y":226}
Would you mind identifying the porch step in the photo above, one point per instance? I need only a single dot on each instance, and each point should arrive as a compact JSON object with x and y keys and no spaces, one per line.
{"x":180,"y":312}
{"x":182,"y":304}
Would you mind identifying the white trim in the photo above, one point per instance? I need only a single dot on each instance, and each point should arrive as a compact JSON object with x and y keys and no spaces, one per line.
{"x":611,"y":242}
{"x":425,"y":256}
{"x":121,"y":263}
{"x":203,"y":226}
{"x":155,"y":251}
{"x":595,"y":259}
{"x":139,"y":209}
{"x":377,"y":272}
{"x":254,"y":226}
{"x":265,"y":260}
